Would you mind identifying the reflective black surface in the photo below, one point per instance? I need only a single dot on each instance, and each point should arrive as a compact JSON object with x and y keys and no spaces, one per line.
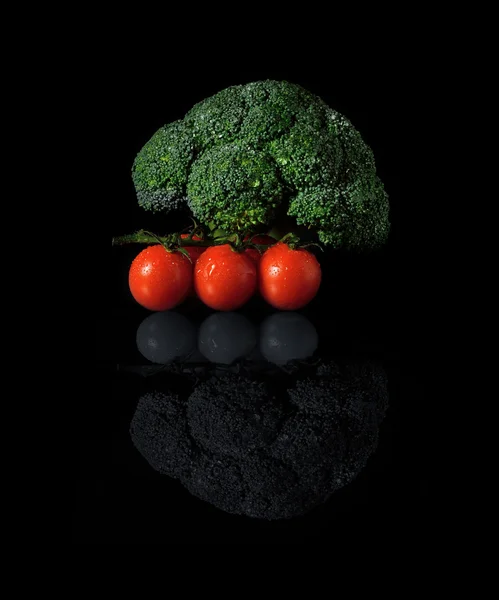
{"x":250,"y":427}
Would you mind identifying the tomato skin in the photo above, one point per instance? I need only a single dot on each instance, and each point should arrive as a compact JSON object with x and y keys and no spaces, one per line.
{"x":158,"y":279}
{"x":288,"y":279}
{"x":224,"y":279}
{"x":258,"y":239}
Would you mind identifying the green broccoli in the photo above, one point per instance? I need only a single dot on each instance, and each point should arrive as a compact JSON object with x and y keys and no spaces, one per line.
{"x":162,"y":167}
{"x":253,"y":152}
{"x":227,"y":184}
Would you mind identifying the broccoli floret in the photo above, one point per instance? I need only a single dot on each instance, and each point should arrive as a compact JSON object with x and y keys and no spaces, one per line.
{"x":227,"y":184}
{"x":273,"y":107}
{"x":249,"y":151}
{"x":161,"y":168}
{"x":217,"y":119}
{"x":306,"y":159}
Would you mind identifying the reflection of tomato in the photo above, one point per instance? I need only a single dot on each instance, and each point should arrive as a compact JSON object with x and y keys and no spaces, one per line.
{"x":258,"y":239}
{"x":194,"y":252}
{"x":288,"y":279}
{"x":158,"y":279}
{"x":224,"y":279}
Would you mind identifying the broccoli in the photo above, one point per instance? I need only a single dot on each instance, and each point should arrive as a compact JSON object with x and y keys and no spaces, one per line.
{"x":162,"y":167}
{"x":227,"y":184}
{"x":252,"y":153}
{"x":265,"y":449}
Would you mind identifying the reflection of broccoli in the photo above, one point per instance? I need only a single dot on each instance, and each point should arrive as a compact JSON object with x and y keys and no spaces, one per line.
{"x":243,"y":153}
{"x":232,"y":424}
{"x":238,"y":446}
{"x":159,"y":431}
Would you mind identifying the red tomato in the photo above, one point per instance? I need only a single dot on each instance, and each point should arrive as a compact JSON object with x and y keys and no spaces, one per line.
{"x":158,"y":279}
{"x":194,"y":252}
{"x":259,"y":239}
{"x":288,"y":279}
{"x":224,"y":279}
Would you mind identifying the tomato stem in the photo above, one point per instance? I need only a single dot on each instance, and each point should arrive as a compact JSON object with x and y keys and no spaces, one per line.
{"x":145,"y":237}
{"x":194,"y":230}
{"x":173,"y":240}
{"x":312,"y":244}
{"x":291,"y":239}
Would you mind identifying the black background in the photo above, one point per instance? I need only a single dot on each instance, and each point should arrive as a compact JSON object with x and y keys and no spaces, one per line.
{"x":118,"y":498}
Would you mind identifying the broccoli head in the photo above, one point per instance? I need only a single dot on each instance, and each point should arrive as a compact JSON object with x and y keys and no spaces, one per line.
{"x":252,"y":152}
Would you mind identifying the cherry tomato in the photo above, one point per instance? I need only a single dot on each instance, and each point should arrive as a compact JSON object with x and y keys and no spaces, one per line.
{"x":224,"y":279}
{"x":259,"y":239}
{"x":194,"y":252}
{"x":288,"y":279}
{"x":158,"y":279}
